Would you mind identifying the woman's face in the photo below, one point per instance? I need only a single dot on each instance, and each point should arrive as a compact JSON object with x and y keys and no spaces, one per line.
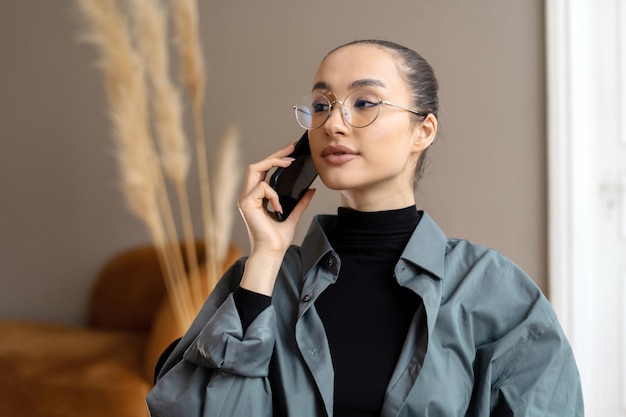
{"x":372,"y":166}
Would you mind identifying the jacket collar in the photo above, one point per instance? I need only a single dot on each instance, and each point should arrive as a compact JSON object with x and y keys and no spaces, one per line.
{"x":426,"y":248}
{"x":420,"y":268}
{"x":315,"y":245}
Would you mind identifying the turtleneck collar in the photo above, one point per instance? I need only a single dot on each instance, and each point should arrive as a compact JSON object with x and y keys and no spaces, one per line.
{"x":385,"y":231}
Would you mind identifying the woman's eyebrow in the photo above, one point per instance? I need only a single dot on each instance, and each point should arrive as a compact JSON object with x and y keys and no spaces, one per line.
{"x":321,"y":85}
{"x":365,"y":82}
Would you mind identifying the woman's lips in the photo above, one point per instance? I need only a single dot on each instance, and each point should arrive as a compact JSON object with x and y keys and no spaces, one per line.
{"x":337,"y":155}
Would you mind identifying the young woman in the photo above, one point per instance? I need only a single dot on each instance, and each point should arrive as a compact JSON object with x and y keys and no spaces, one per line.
{"x":377,"y":313}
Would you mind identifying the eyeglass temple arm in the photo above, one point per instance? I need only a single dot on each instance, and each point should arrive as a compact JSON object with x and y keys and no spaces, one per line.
{"x":389,"y":103}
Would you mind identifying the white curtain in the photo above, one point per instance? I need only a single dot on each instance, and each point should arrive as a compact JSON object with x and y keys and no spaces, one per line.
{"x":586,"y":85}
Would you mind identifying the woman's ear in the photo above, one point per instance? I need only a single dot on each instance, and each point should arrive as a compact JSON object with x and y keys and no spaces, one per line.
{"x":425,"y":132}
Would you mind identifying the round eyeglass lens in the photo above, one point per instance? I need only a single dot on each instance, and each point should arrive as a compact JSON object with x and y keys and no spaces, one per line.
{"x":312,"y":111}
{"x":361,"y":108}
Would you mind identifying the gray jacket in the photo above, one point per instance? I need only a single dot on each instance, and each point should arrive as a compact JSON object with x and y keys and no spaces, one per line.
{"x":485,"y":341}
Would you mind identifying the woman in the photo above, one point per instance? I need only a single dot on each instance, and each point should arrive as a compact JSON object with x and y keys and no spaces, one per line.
{"x":377,"y":313}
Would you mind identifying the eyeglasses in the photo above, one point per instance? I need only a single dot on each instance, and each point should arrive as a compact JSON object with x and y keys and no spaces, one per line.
{"x":358,"y":109}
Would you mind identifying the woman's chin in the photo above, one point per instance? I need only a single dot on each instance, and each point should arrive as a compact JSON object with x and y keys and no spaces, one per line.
{"x":337,"y":184}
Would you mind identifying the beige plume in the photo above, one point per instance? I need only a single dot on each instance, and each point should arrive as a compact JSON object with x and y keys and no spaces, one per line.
{"x":142,"y":184}
{"x":140,"y":90}
{"x":187,"y":29}
{"x":151,"y":33}
{"x":193,"y":73}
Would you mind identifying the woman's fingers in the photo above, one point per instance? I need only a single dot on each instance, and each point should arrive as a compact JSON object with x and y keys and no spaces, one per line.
{"x":258,"y":197}
{"x":258,"y":171}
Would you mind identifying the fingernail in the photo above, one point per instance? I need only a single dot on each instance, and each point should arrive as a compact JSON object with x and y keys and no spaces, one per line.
{"x":288,"y":158}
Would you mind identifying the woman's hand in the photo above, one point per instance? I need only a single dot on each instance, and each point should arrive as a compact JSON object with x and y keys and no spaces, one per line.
{"x":269,"y":238}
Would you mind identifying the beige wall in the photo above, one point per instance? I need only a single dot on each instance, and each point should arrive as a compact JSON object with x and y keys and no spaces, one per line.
{"x":61,"y":215}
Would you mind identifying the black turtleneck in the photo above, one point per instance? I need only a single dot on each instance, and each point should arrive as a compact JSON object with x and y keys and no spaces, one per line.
{"x":366,"y":313}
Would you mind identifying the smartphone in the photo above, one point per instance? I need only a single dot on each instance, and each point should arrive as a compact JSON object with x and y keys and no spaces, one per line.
{"x":292,"y":182}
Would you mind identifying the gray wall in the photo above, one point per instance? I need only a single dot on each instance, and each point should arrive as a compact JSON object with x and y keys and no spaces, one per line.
{"x":62,"y":216}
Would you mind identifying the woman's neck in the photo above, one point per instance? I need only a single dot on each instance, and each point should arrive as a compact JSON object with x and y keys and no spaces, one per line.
{"x":370,"y":202}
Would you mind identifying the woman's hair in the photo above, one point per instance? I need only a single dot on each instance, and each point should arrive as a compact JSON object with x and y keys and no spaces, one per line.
{"x":420,"y":78}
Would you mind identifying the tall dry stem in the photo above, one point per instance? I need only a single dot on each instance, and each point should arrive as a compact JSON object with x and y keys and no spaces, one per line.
{"x":151,"y":33}
{"x":225,"y":176}
{"x":193,"y":73}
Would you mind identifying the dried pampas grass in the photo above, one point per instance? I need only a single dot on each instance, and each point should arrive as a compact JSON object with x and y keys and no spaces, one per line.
{"x":151,"y":34}
{"x":127,"y":74}
{"x":141,"y":182}
{"x":191,"y":57}
{"x":193,"y":74}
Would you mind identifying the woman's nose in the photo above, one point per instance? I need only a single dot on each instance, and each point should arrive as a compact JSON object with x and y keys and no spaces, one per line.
{"x":337,"y":120}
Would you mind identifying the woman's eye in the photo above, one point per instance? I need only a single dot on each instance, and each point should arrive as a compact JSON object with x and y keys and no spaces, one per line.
{"x":364,"y":104}
{"x":319,"y":107}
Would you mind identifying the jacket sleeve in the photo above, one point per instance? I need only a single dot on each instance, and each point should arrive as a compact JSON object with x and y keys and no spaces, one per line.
{"x":216,"y":369}
{"x":523,"y":364}
{"x":541,"y":377}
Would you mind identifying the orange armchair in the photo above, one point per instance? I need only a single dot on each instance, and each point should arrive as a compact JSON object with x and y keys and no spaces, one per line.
{"x":104,"y":368}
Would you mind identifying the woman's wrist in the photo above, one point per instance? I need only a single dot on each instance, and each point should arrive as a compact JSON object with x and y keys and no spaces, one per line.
{"x":260,"y":272}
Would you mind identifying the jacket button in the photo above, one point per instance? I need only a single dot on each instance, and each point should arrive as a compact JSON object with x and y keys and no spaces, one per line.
{"x":330,"y":262}
{"x":306,"y":298}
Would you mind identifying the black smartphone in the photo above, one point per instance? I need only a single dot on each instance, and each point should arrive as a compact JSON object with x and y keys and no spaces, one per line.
{"x":292,"y":182}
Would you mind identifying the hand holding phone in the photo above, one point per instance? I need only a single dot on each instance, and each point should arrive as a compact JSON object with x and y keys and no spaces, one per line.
{"x":292,"y":182}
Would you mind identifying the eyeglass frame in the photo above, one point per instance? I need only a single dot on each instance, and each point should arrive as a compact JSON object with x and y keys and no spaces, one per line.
{"x":343,"y":116}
